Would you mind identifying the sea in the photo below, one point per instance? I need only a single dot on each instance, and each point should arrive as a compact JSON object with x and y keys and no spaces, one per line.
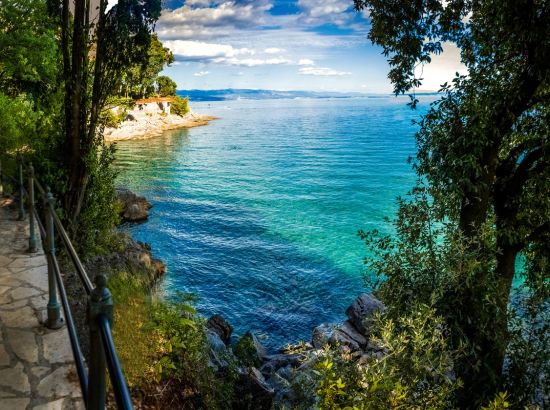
{"x":257,"y":214}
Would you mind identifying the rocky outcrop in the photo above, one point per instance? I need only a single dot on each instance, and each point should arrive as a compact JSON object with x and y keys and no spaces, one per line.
{"x":132,"y":256}
{"x":362,"y":310}
{"x":266,"y":379}
{"x":133,"y":208}
{"x":220,"y":326}
{"x":138,"y":125}
{"x":252,"y":389}
{"x":220,"y":357}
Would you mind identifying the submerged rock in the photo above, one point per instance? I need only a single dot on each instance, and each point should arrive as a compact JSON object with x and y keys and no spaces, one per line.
{"x":134,"y":208}
{"x":220,"y":326}
{"x":363,"y":309}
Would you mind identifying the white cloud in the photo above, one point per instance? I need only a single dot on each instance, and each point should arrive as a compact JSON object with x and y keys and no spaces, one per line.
{"x":253,"y":62}
{"x":198,"y":50}
{"x":306,"y":61}
{"x":274,"y":50}
{"x":328,"y":11}
{"x":322,"y":71}
{"x":201,"y":73}
{"x":219,"y":53}
{"x":206,"y":20}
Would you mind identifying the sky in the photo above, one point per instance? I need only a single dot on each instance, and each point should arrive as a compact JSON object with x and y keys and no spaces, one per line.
{"x":317,"y":45}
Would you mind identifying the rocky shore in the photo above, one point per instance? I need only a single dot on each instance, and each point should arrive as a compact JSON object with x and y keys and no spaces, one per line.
{"x":147,"y":126}
{"x":267,"y":378}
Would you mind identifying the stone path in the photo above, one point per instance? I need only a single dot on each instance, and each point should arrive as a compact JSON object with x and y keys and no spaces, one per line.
{"x":36,"y":366}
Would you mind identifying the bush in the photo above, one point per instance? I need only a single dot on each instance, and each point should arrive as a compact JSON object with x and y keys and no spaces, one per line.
{"x":113,"y":120}
{"x":180,"y":106}
{"x":162,"y":346}
{"x":414,"y":372}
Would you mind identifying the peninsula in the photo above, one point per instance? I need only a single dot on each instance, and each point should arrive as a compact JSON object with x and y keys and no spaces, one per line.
{"x":150,"y":117}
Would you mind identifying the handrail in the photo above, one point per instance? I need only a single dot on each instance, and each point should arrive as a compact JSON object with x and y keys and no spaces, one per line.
{"x":122,"y":396}
{"x":70,"y":249}
{"x":71,"y":328}
{"x":102,"y":347}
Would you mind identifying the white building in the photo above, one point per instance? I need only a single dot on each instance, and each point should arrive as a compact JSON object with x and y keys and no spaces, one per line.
{"x":155,"y":105}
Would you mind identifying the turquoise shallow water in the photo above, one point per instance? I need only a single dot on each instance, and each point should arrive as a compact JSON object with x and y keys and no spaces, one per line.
{"x":258,"y":212}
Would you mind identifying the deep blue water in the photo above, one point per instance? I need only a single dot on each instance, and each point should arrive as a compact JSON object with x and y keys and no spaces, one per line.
{"x":257,"y":213}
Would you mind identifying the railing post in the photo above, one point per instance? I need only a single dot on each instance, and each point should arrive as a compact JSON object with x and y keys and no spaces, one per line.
{"x":100,"y":302}
{"x":21,"y":194}
{"x":32,"y":235}
{"x":54,"y":308}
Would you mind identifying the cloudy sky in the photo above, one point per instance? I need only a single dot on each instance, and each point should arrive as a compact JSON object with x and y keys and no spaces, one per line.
{"x":281,"y":45}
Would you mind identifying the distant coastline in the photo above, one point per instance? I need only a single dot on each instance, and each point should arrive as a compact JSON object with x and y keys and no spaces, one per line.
{"x":230,"y":94}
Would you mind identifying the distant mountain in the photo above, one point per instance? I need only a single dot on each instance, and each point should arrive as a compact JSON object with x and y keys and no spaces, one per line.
{"x":248,"y":94}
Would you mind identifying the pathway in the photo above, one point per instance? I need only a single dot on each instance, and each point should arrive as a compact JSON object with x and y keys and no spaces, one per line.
{"x":36,"y":365}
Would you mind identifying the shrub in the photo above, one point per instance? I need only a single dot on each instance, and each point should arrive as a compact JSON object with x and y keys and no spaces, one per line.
{"x":180,"y":106}
{"x":414,"y":372}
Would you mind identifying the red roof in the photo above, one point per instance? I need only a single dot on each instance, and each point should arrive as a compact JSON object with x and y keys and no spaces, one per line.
{"x":154,"y":100}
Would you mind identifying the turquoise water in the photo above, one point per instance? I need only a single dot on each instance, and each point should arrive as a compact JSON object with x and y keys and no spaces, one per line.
{"x":258,"y":212}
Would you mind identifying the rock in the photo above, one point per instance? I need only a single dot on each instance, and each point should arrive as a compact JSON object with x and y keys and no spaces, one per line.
{"x":219,"y":325}
{"x":260,"y":349}
{"x":280,"y":381}
{"x":220,"y":357}
{"x":249,"y":350}
{"x":343,"y":334}
{"x":339,"y":338}
{"x":362,"y":310}
{"x":133,"y":257}
{"x":252,"y":389}
{"x":350,"y":331}
{"x":277,"y":361}
{"x":134,"y":208}
{"x":321,"y":335}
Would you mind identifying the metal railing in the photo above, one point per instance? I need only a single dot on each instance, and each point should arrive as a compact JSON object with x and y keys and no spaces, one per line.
{"x":102,"y":353}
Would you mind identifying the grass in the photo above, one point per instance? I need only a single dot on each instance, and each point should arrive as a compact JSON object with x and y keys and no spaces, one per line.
{"x":138,"y":344}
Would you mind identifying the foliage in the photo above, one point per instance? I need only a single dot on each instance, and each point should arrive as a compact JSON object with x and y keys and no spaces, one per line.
{"x":414,"y":371}
{"x":28,"y":50}
{"x":500,"y":402}
{"x":245,"y":351}
{"x":136,"y":342}
{"x":101,"y":214}
{"x":184,"y":355}
{"x":527,"y":370}
{"x":17,"y":122}
{"x":482,"y":153}
{"x":142,"y":78}
{"x":180,"y":106}
{"x":113,"y":120}
{"x":29,"y":91}
{"x":166,"y":87}
{"x":162,"y":346}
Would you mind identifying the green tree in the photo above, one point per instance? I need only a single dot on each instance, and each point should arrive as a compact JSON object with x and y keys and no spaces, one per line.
{"x":483,"y":149}
{"x":95,"y":55}
{"x":141,"y":79}
{"x":30,"y":95}
{"x":166,"y":87}
{"x":27,"y":48}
